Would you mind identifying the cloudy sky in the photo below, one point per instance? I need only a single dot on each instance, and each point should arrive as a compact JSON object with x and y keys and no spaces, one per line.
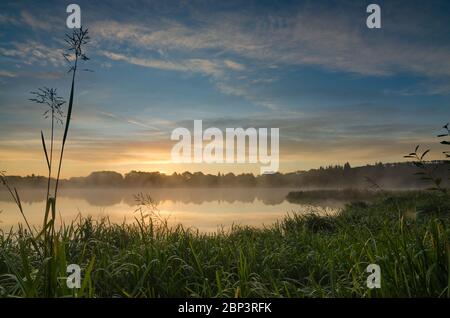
{"x":337,"y":90}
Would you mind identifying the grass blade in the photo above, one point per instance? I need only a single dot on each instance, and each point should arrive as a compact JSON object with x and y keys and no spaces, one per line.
{"x":45,"y":150}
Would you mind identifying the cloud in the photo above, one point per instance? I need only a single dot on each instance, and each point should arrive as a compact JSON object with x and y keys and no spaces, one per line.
{"x":203,"y":66}
{"x":165,"y":35}
{"x":32,"y":52}
{"x":233,"y":65}
{"x":35,"y":22}
{"x":128,"y":120}
{"x":227,"y":43}
{"x":305,"y":37}
{"x":7,"y":19}
{"x":242,"y":90}
{"x":7,"y":74}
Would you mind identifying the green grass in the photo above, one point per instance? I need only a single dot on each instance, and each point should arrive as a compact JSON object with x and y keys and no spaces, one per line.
{"x":300,"y":256}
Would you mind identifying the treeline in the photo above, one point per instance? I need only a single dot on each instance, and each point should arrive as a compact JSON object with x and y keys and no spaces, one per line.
{"x":391,"y":175}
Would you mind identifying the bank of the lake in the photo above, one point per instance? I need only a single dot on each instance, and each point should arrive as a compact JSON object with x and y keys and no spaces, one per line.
{"x":407,"y":235}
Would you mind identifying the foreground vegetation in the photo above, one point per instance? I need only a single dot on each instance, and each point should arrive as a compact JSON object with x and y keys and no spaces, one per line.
{"x":300,"y":256}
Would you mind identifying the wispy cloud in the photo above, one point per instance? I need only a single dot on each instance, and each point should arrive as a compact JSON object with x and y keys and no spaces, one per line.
{"x":234,"y":65}
{"x":227,"y":45}
{"x":8,"y":19}
{"x":32,"y":52}
{"x":307,"y":37}
{"x":203,"y":66}
{"x":7,"y":74}
{"x":36,"y":22}
{"x":129,"y":120}
{"x":229,"y":88}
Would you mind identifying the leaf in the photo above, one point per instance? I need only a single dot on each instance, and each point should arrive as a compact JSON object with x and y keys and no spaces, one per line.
{"x":417,"y":148}
{"x":18,"y":200}
{"x":47,"y":211}
{"x":445,"y":142}
{"x":44,"y":229}
{"x":424,"y":154}
{"x":69,"y":110}
{"x":87,"y":276}
{"x":45,"y":150}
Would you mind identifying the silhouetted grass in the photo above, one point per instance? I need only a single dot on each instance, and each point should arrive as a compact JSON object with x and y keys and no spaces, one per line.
{"x":45,"y":243}
{"x":300,"y":256}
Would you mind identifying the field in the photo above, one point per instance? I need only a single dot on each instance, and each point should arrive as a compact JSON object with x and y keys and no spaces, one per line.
{"x":406,"y":234}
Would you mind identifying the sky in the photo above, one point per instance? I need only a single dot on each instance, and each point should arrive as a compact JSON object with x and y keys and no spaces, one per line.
{"x":337,"y":90}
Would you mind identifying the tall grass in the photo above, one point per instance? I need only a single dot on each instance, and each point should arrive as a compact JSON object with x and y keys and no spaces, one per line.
{"x":45,"y":244}
{"x":50,"y":98}
{"x":299,"y":256}
{"x":76,"y":42}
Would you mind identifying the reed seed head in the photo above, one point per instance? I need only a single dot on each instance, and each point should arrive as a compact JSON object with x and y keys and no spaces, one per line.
{"x":49,"y":97}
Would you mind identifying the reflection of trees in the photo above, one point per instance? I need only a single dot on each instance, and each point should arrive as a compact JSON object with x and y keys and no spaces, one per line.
{"x":201,"y":195}
{"x":27,"y":196}
{"x":106,"y":197}
{"x":96,"y":197}
{"x":272,"y":200}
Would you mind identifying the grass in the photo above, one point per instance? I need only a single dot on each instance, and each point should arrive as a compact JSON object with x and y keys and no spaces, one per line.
{"x":300,"y":256}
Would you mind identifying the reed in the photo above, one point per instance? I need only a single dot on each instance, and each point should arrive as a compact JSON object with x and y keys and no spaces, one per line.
{"x":45,"y":243}
{"x":299,"y":256}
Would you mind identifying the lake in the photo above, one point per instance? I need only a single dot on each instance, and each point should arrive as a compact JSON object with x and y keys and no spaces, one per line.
{"x":203,"y":209}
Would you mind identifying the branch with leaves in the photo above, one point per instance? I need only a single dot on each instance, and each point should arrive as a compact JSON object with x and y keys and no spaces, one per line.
{"x":426,"y":172}
{"x":446,"y":142}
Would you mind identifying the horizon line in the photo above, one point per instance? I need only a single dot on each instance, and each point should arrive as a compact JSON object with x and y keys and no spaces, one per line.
{"x":243,"y":173}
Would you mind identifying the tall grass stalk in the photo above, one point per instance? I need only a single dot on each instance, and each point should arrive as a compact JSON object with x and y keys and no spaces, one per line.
{"x":76,"y":42}
{"x":50,"y":98}
{"x":47,"y":243}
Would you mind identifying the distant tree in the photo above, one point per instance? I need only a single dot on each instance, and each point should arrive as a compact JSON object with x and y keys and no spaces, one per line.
{"x":104,"y":178}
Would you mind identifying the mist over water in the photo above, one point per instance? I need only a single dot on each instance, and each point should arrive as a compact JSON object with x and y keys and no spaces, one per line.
{"x":201,"y":208}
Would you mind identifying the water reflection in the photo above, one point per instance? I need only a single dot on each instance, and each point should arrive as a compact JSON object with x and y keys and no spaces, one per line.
{"x":205,"y":209}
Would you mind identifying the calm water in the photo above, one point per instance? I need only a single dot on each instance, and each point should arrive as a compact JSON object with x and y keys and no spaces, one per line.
{"x":204,"y":209}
